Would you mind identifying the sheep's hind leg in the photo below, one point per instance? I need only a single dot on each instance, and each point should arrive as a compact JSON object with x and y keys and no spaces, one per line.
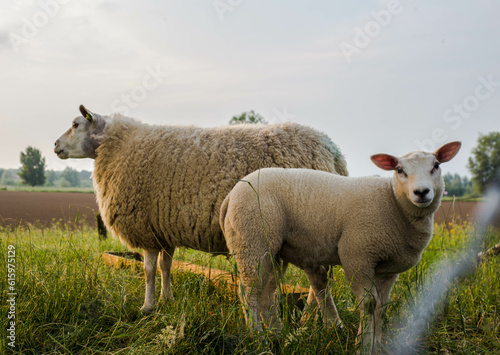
{"x":254,"y":277}
{"x":165,"y":264}
{"x":318,"y":278}
{"x":249,"y":299}
{"x":150,"y":259}
{"x":268,"y":306}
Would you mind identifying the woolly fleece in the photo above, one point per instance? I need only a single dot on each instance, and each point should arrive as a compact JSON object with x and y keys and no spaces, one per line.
{"x":162,"y":186}
{"x":374,"y":227}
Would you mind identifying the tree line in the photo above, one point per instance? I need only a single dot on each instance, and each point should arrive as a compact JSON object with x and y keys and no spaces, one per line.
{"x":484,"y":165}
{"x":69,"y":177}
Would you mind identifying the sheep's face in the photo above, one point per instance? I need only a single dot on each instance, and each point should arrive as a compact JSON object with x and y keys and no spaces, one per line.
{"x":82,"y":139}
{"x":417,"y":174}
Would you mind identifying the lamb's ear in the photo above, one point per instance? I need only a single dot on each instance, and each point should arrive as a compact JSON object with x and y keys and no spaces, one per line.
{"x":385,"y":161}
{"x":447,"y":152}
{"x":86,"y":113}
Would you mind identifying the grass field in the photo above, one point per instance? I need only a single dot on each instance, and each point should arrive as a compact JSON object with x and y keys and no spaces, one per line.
{"x":69,"y":302}
{"x":47,"y":189}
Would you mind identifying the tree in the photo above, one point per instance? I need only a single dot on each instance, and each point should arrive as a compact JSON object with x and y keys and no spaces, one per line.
{"x":485,"y":161}
{"x":7,"y":178}
{"x":33,"y":167}
{"x":71,"y":176}
{"x":247,"y":117}
{"x":456,"y":185}
{"x":51,"y":177}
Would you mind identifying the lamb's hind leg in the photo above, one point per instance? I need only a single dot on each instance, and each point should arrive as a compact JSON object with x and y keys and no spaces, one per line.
{"x":318,"y":278}
{"x":268,"y":306}
{"x":165,"y":264}
{"x":150,"y":259}
{"x":255,"y":273}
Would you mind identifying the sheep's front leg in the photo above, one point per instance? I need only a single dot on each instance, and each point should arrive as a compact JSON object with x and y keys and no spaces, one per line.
{"x":384,"y":286}
{"x":373,"y":295}
{"x":150,"y":259}
{"x":320,"y":293}
{"x":165,"y":264}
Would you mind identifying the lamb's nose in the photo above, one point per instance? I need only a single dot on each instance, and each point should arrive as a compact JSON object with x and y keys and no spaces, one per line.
{"x":421,"y":192}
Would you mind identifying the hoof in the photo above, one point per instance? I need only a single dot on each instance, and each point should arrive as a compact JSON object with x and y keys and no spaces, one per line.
{"x":169,"y":297}
{"x":338,"y":323}
{"x":147,"y":309}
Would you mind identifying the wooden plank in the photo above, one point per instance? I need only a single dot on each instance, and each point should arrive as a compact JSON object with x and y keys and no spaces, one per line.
{"x":219,"y":277}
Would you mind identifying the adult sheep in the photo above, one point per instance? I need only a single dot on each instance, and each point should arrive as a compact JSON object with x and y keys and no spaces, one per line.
{"x":161,"y":187}
{"x":374,"y":227}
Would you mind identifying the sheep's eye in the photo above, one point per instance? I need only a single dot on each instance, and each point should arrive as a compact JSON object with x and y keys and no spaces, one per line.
{"x":75,"y":125}
{"x":436,"y":166}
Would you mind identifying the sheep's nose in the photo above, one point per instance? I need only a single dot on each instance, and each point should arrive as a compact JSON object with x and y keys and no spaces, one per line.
{"x":56,"y":149}
{"x":421,"y":192}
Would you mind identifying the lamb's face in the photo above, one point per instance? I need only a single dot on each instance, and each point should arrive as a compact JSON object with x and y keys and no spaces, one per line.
{"x":81,"y":141}
{"x":417,"y":175}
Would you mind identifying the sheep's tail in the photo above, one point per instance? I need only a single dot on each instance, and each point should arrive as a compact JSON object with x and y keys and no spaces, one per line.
{"x":223,"y":211}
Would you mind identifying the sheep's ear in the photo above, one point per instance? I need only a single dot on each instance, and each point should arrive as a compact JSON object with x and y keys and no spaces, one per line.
{"x":86,"y":113}
{"x":447,"y":152}
{"x":385,"y":161}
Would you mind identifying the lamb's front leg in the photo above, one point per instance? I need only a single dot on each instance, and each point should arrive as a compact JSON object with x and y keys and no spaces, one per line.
{"x":372,"y":293}
{"x":165,"y":264}
{"x":150,"y":259}
{"x":383,"y":285}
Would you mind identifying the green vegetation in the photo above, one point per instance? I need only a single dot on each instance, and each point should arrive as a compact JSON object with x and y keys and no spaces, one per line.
{"x":462,"y":199}
{"x":484,"y":164}
{"x":69,"y":302}
{"x":247,"y":117}
{"x":47,"y":189}
{"x":33,"y":167}
{"x":456,"y":185}
{"x":68,"y":180}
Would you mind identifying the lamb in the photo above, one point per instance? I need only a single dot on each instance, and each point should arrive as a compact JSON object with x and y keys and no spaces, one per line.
{"x":374,"y":227}
{"x":161,"y":187}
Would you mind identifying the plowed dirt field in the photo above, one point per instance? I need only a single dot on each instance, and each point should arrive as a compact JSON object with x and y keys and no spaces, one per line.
{"x":45,"y":208}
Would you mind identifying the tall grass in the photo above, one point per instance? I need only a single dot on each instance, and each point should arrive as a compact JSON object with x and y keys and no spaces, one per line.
{"x":69,"y":302}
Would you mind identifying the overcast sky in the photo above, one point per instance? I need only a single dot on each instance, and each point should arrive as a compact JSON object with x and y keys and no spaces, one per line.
{"x":376,"y":76}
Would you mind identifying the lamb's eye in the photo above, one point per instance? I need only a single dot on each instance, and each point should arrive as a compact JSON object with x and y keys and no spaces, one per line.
{"x":436,"y":166}
{"x":400,"y":171}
